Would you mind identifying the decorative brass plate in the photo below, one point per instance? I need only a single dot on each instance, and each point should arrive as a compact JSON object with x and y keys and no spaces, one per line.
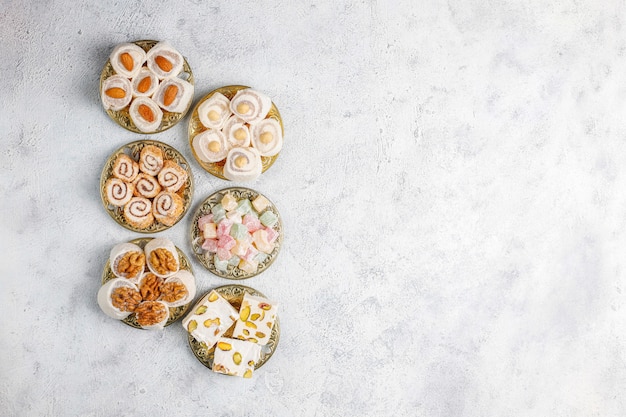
{"x":133,"y":149}
{"x":196,"y":127}
{"x":122,"y":118}
{"x":197,"y":237}
{"x":175,"y":312}
{"x":234,"y":295}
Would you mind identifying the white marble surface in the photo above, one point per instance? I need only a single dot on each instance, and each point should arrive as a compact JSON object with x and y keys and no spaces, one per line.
{"x":452,"y":188}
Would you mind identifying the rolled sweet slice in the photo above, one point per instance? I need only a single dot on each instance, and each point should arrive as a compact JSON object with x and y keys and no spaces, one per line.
{"x":236,"y":132}
{"x":125,"y":168}
{"x":250,"y":105}
{"x":152,"y":314}
{"x":162,"y":257}
{"x":179,"y":289}
{"x":174,"y":95}
{"x":127,"y":59}
{"x":145,"y":114}
{"x":243,"y":164}
{"x":116,"y":92}
{"x":118,"y":192}
{"x":118,"y":298}
{"x":145,"y":83}
{"x":138,"y":212}
{"x":167,"y":207}
{"x":151,"y":160}
{"x":215,"y":111}
{"x":146,"y":186}
{"x":172,"y":176}
{"x":267,"y":137}
{"x":127,"y":260}
{"x":210,"y":146}
{"x":164,"y":60}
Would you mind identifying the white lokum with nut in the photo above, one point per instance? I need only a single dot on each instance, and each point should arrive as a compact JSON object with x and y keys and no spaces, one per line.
{"x":211,"y":317}
{"x":235,"y":357}
{"x":256,"y":319}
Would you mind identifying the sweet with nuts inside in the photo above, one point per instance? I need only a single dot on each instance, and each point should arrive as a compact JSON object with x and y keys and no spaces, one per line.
{"x":150,"y":313}
{"x":125,"y":299}
{"x":173,"y":291}
{"x":150,"y":287}
{"x":163,"y":261}
{"x":131,"y":264}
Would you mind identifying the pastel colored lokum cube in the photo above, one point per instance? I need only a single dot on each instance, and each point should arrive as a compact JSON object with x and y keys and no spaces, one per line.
{"x":268,"y":219}
{"x":224,"y":254}
{"x":218,"y":209}
{"x":210,"y":245}
{"x":235,"y":357}
{"x":249,"y":266}
{"x":238,"y":231}
{"x":260,"y":203}
{"x":228,"y":202}
{"x":256,"y":319}
{"x":241,"y":248}
{"x":226,"y":242}
{"x":234,"y":216}
{"x":250,"y":254}
{"x":211,"y":317}
{"x":252,"y":223}
{"x":223,"y":228}
{"x":260,"y":239}
{"x":244,"y":206}
{"x":204,"y":220}
{"x":220,"y":265}
{"x":210,"y":231}
{"x":234,"y":261}
{"x":272,"y":234}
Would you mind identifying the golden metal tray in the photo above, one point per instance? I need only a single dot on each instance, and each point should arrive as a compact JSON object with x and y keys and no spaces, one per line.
{"x":197,"y":238}
{"x":133,"y":149}
{"x":122,"y":118}
{"x":196,"y":127}
{"x":175,"y":312}
{"x":234,"y":295}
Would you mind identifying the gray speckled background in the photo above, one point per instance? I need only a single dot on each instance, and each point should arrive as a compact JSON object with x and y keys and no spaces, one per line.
{"x":452,"y":190}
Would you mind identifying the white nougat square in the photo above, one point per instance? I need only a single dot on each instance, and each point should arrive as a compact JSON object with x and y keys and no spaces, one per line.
{"x":256,"y":319}
{"x":210,"y":319}
{"x":235,"y":357}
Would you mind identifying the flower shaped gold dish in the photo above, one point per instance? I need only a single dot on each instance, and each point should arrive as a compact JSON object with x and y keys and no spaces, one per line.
{"x":206,"y":259}
{"x":133,"y":150}
{"x":196,"y":127}
{"x":234,"y":295}
{"x":122,"y":117}
{"x":175,"y":312}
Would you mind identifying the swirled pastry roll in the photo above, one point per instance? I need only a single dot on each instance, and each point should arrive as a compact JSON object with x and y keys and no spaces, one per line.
{"x":116,"y":92}
{"x":125,"y":168}
{"x":236,"y":132}
{"x":164,"y":60}
{"x":250,"y":105}
{"x":127,"y":59}
{"x":145,"y":83}
{"x":145,"y":114}
{"x":172,"y":176}
{"x":174,"y":95}
{"x":267,"y":137}
{"x":214,"y":112}
{"x":167,"y":207}
{"x":210,"y":146}
{"x":243,"y":164}
{"x":138,"y":212}
{"x":151,"y":160}
{"x":118,"y":192}
{"x":146,"y":185}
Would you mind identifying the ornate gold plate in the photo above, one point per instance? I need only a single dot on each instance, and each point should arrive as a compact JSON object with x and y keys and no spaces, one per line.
{"x":197,"y":236}
{"x":196,"y":127}
{"x":133,"y":149}
{"x":175,"y":312}
{"x":122,"y":118}
{"x":234,"y":295}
